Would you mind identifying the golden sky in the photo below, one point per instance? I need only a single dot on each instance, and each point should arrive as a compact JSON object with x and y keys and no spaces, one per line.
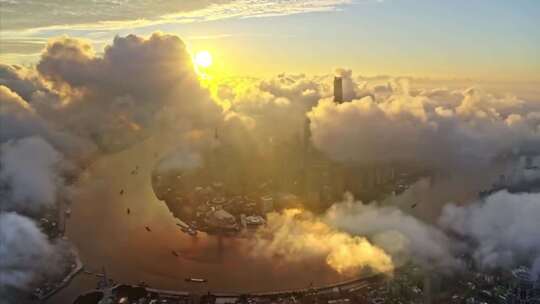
{"x":486,"y":40}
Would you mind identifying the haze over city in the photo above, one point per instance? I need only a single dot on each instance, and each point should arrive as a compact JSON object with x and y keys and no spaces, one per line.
{"x":259,"y":151}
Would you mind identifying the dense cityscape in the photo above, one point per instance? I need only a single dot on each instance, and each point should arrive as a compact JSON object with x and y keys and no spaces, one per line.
{"x":226,"y":209}
{"x":213,"y":209}
{"x":409,"y":285}
{"x":269,"y":152}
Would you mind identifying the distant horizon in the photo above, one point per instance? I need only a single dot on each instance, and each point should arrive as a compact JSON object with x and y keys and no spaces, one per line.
{"x":269,"y":145}
{"x":480,"y":40}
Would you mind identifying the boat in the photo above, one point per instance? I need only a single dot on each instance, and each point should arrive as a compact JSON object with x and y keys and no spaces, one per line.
{"x":196,"y":280}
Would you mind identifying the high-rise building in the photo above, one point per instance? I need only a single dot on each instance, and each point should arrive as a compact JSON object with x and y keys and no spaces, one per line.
{"x":431,"y":288}
{"x":523,"y":287}
{"x":267,"y":204}
{"x":307,"y":134}
{"x":338,"y":89}
{"x":306,"y":155}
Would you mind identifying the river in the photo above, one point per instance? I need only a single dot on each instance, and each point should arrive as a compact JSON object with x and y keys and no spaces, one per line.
{"x":106,"y":236}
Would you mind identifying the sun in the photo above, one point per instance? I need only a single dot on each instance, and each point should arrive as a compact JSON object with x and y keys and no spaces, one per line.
{"x":203,"y":59}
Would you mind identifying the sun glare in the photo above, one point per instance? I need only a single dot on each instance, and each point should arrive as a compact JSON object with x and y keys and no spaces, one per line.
{"x":203,"y":59}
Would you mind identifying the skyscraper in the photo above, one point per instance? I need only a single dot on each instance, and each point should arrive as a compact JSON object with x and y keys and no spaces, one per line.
{"x":524,"y":287}
{"x":307,"y":134}
{"x":338,"y":89}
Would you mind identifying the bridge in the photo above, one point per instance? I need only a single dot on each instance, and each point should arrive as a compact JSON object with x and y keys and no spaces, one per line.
{"x":352,"y":285}
{"x":177,"y":296}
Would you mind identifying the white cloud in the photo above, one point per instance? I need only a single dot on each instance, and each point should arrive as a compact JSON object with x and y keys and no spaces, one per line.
{"x":29,"y":174}
{"x":25,"y":252}
{"x":503,"y":229}
{"x":259,"y":8}
{"x":126,"y":14}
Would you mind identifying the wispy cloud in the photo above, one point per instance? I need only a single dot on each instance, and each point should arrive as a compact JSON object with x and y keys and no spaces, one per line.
{"x":258,"y":8}
{"x":27,"y":16}
{"x":26,"y":26}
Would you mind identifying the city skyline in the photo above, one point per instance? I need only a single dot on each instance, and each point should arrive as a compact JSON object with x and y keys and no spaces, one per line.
{"x":269,"y":151}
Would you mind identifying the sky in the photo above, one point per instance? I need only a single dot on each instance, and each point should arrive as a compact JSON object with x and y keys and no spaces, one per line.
{"x":97,"y":104}
{"x":491,"y":40}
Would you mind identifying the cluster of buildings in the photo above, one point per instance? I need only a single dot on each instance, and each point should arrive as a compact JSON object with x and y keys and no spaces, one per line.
{"x":315,"y":182}
{"x":52,"y":220}
{"x":409,"y":285}
{"x":324,"y":181}
{"x":53,"y":224}
{"x":212,"y":209}
{"x":341,"y":293}
{"x":504,"y":287}
{"x":48,"y":223}
{"x":251,"y":185}
{"x":521,"y":175}
{"x":71,"y":267}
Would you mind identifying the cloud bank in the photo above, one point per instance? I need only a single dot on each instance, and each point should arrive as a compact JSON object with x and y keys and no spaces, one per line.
{"x":502,"y":229}
{"x":497,"y":233}
{"x":297,"y":235}
{"x":76,"y":106}
{"x":441,"y":129}
{"x":398,"y":233}
{"x":71,"y":109}
{"x":30,"y":174}
{"x":26,"y":252}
